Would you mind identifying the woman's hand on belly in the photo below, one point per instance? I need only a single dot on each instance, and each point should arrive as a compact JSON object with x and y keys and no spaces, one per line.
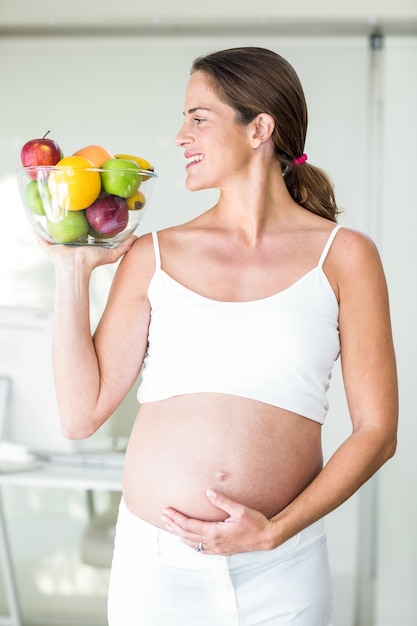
{"x":243,"y":529}
{"x":259,"y":456}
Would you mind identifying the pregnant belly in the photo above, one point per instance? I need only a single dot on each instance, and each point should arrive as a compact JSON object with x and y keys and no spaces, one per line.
{"x":257,"y":454}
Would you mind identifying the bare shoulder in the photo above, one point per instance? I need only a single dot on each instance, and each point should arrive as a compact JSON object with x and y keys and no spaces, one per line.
{"x":354,"y":260}
{"x":353,"y":246}
{"x":171,"y":242}
{"x":137,"y":267}
{"x":142,"y":252}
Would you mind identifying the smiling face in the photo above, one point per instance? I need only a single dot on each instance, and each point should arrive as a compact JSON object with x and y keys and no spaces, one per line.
{"x":216,"y":146}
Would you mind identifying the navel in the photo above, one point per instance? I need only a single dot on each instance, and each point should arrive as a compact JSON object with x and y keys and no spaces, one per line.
{"x":221,"y":476}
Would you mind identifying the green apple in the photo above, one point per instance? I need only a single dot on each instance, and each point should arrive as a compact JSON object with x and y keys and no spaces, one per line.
{"x":70,"y":227}
{"x":121,"y":178}
{"x":32,"y":198}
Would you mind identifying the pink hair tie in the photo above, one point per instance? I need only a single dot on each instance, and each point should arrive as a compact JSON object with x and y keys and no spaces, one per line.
{"x":302,"y":159}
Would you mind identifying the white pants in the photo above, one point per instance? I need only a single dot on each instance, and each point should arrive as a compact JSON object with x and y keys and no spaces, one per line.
{"x":156,"y":580}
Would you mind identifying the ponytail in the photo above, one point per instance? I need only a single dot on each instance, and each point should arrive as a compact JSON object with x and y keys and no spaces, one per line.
{"x":311,"y":188}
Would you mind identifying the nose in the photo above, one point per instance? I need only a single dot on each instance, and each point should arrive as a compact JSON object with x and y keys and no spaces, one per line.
{"x":183,"y":137}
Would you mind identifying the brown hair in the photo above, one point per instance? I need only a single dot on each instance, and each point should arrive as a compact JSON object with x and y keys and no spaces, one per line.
{"x":256,"y":80}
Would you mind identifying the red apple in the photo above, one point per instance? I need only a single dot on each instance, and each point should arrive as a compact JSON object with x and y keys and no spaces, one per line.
{"x":40,"y":152}
{"x":108,"y":215}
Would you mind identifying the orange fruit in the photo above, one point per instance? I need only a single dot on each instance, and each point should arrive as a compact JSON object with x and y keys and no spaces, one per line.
{"x":95,"y":154}
{"x":73,"y":186}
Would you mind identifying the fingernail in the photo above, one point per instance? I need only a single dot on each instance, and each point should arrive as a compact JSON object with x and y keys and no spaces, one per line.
{"x":165,"y":520}
{"x":211,"y":493}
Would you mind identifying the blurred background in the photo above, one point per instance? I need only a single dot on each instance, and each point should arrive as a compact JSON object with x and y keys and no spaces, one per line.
{"x":114,"y":74}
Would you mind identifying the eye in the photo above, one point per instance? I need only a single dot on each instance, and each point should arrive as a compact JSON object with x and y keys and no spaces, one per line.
{"x":198,"y":120}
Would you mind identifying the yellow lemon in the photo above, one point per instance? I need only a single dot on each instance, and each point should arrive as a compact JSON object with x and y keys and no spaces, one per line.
{"x":73,"y":186}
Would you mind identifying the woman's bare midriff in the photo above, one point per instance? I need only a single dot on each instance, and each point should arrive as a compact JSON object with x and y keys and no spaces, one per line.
{"x":259,"y":455}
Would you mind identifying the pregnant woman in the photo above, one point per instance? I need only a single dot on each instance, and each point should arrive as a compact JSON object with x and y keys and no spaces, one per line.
{"x":235,"y":320}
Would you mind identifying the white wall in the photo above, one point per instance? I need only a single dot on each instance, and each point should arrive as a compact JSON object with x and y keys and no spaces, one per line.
{"x":397,"y":543}
{"x":127,"y":93}
{"x":181,"y":13}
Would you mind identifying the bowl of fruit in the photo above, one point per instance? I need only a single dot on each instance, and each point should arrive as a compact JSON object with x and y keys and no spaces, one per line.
{"x":92,"y":197}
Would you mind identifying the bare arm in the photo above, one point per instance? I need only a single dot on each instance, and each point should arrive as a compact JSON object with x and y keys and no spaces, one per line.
{"x":370,"y":380}
{"x":94,"y":373}
{"x":369,"y":374}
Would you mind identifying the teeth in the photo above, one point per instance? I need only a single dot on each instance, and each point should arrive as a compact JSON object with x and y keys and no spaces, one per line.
{"x":195,"y":158}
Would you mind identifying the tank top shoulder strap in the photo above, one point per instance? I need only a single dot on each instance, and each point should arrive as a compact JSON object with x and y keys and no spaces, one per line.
{"x":156,"y":250}
{"x":328,"y":244}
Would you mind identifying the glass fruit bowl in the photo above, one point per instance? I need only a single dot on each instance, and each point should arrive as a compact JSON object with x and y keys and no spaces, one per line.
{"x":85,"y":206}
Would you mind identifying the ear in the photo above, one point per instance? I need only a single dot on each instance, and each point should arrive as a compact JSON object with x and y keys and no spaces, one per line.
{"x":262,"y":128}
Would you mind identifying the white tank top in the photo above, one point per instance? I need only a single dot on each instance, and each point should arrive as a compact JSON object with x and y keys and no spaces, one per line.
{"x":279,"y":350}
